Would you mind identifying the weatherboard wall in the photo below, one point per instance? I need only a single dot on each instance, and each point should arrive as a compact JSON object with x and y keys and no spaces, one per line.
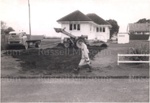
{"x":88,"y":29}
{"x":84,"y":30}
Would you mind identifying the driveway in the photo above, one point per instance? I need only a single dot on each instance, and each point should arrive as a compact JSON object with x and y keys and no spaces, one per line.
{"x":75,"y":90}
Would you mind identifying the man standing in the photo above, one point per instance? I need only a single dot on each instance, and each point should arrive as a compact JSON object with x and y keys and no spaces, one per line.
{"x":85,"y":60}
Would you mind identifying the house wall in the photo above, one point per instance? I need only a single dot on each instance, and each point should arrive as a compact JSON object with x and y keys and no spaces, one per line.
{"x":84,"y":30}
{"x":92,"y":29}
{"x":123,"y":38}
{"x":104,"y":36}
{"x":88,"y":29}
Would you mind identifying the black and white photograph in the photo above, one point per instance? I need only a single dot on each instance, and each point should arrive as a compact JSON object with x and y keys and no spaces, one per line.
{"x":74,"y":51}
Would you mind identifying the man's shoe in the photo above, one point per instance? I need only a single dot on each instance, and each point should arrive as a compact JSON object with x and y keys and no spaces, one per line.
{"x":89,"y":68}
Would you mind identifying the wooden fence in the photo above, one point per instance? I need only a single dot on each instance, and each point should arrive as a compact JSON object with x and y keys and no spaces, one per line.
{"x":129,"y":61}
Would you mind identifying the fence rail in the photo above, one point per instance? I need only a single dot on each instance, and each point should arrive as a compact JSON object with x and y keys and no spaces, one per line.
{"x":128,"y":61}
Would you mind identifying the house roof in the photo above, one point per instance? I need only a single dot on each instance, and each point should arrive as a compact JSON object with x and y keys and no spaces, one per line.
{"x":79,"y":16}
{"x":139,"y":27}
{"x":75,"y":16}
{"x":97,"y":19}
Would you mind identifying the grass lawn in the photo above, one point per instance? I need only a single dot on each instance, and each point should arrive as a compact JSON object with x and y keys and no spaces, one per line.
{"x":106,"y":61}
{"x":54,"y":61}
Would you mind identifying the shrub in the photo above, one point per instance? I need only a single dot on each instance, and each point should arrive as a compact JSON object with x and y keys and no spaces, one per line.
{"x":140,"y":49}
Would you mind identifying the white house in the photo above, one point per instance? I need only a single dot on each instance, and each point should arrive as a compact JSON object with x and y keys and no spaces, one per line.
{"x":90,"y":25}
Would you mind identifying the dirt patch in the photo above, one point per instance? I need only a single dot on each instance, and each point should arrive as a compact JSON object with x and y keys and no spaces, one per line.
{"x":10,"y":66}
{"x":56,"y":61}
{"x":52,"y":61}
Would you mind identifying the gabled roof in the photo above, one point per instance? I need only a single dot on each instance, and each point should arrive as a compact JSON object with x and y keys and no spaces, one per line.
{"x":75,"y":16}
{"x":79,"y":16}
{"x":97,"y":19}
{"x":139,"y":27}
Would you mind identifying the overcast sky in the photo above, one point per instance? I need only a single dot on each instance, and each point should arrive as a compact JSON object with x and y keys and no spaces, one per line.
{"x":45,"y":13}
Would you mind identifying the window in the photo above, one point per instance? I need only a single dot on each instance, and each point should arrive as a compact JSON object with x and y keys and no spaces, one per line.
{"x":97,"y":29}
{"x":103,"y":29}
{"x":74,"y":26}
{"x":78,"y":28}
{"x":100,"y":29}
{"x":70,"y":26}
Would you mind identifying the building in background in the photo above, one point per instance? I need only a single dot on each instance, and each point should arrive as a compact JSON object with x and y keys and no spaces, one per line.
{"x":139,"y":28}
{"x":123,"y":38}
{"x":139,"y":31}
{"x":90,"y":25}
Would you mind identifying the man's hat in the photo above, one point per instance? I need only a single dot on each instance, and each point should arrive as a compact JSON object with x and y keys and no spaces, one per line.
{"x":78,"y":43}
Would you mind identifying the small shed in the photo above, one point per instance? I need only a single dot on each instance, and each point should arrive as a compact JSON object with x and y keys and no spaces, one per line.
{"x":123,"y":38}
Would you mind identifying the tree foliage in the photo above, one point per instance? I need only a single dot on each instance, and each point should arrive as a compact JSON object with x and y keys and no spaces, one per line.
{"x":9,"y":29}
{"x":5,"y":29}
{"x":144,"y":20}
{"x":115,"y":27}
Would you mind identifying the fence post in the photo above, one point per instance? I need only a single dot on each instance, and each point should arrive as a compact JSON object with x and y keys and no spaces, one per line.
{"x":118,"y":60}
{"x":149,"y":57}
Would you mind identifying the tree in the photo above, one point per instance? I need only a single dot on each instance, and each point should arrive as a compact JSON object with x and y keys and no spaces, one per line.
{"x":115,"y":27}
{"x":144,"y":20}
{"x":3,"y":25}
{"x":9,"y":29}
{"x":5,"y":29}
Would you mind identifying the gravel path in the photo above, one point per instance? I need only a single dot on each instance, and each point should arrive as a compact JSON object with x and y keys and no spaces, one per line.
{"x":75,"y":90}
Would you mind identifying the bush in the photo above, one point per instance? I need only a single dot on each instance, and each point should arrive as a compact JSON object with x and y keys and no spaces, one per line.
{"x":141,"y":49}
{"x":138,"y":37}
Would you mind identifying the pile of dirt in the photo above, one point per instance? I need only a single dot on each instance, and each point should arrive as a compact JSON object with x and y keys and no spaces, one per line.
{"x":54,"y":60}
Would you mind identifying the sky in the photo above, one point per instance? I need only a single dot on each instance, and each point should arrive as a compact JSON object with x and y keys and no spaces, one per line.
{"x":45,"y":13}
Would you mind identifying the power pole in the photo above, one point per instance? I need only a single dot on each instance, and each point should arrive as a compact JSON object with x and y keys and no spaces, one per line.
{"x":29,"y":18}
